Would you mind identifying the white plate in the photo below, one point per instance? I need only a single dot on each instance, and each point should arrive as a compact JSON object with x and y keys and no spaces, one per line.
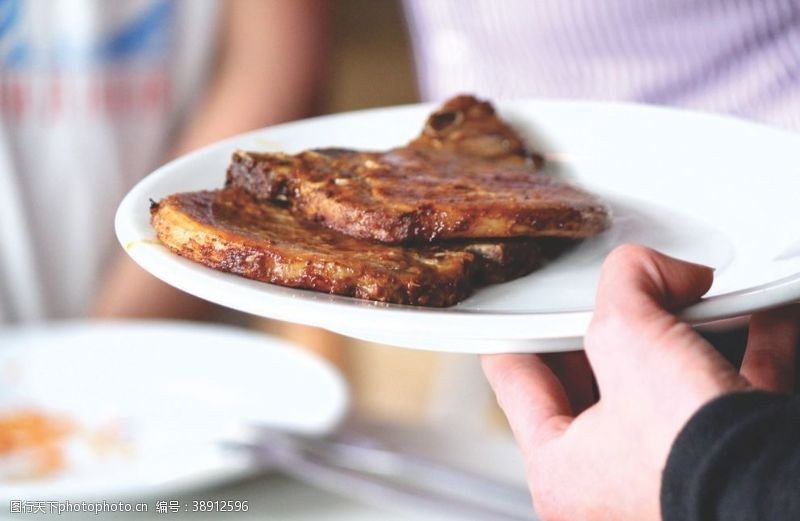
{"x":168,"y":394}
{"x":704,"y":188}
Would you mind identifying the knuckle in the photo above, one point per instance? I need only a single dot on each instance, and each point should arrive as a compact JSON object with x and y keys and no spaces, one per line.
{"x":633,"y":261}
{"x":628,"y":255}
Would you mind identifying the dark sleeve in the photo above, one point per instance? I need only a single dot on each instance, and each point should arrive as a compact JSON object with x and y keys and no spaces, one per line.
{"x":738,"y":458}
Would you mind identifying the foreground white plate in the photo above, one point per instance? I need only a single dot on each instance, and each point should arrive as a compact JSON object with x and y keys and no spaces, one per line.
{"x":704,"y":188}
{"x":165,"y":395}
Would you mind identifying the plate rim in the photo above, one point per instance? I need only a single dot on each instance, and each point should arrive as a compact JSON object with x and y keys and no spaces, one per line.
{"x":472,"y":324}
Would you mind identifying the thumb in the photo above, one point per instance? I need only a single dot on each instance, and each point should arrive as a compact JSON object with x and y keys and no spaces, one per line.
{"x":634,"y":335}
{"x":636,"y":280}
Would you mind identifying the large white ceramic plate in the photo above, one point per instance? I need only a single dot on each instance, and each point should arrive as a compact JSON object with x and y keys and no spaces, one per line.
{"x":700,"y":187}
{"x":151,"y":403}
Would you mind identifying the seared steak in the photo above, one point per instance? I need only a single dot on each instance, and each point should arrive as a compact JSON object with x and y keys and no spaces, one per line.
{"x":468,"y":175}
{"x":227,"y":230}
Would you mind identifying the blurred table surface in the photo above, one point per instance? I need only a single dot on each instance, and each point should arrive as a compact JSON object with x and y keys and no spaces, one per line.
{"x":270,"y":495}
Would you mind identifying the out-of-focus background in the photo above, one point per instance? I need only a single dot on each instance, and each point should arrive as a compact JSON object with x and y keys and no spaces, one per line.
{"x":372,"y":62}
{"x":429,"y":403}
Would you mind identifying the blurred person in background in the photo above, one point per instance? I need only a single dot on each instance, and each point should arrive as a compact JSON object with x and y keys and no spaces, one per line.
{"x":93,"y":95}
{"x":734,"y":57}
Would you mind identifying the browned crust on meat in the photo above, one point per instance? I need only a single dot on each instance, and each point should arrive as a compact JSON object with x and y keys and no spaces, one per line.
{"x":501,"y":261}
{"x":226,"y":230}
{"x":466,"y":125}
{"x":467,"y":176}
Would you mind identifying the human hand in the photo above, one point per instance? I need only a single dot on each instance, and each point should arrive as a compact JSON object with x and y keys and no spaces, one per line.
{"x":653,"y":373}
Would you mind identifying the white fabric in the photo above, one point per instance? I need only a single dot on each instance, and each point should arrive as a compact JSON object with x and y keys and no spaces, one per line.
{"x":91,"y":92}
{"x":738,"y":57}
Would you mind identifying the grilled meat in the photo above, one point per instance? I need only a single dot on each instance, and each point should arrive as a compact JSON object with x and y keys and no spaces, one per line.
{"x":468,"y":175}
{"x":227,"y":230}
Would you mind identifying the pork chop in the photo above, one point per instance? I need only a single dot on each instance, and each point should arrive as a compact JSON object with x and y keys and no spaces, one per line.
{"x":227,"y":230}
{"x":468,"y":175}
